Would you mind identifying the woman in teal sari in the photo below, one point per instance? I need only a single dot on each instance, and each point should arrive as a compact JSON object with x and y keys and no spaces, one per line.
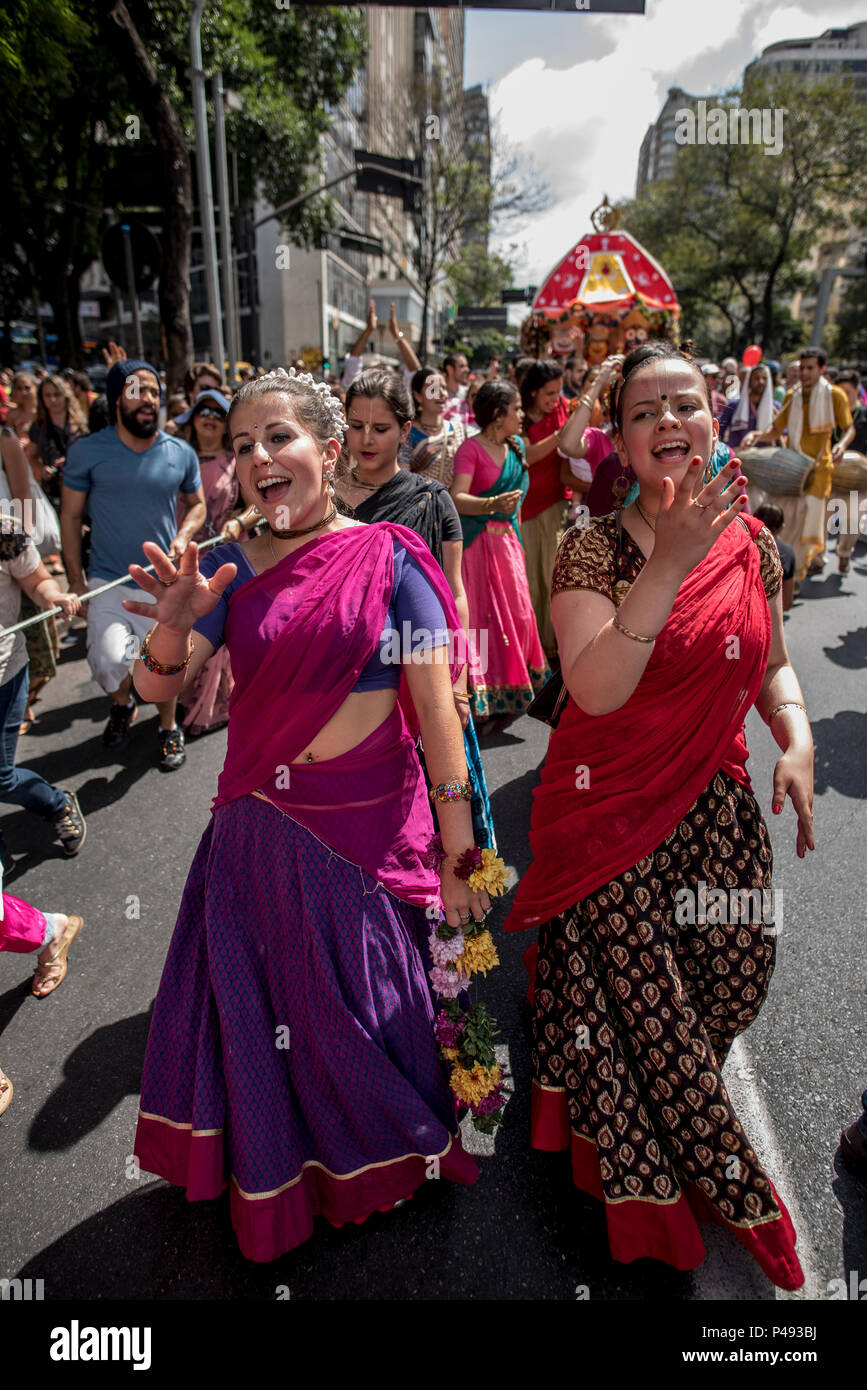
{"x":507,"y":664}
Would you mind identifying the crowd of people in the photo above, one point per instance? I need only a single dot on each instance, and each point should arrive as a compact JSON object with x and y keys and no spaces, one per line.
{"x":408,"y":560}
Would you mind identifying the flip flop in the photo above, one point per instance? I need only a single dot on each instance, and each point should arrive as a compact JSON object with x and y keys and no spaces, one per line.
{"x":6,"y":1091}
{"x":58,"y":962}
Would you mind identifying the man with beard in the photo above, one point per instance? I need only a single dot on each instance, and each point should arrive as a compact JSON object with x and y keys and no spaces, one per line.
{"x":130,"y":477}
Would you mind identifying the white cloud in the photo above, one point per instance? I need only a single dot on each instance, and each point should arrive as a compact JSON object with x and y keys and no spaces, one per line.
{"x":582,"y":124}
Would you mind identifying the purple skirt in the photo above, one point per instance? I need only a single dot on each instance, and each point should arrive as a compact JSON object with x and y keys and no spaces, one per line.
{"x":291,"y":1054}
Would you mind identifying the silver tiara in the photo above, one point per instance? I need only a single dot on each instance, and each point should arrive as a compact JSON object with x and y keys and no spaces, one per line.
{"x":322,"y":389}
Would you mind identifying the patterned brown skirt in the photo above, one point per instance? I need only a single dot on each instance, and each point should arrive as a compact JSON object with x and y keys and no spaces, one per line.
{"x":641,"y":989}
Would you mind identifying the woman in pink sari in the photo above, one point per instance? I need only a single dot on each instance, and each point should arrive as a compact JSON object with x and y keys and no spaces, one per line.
{"x":206,"y":703}
{"x":292,"y":1054}
{"x":507,"y":665}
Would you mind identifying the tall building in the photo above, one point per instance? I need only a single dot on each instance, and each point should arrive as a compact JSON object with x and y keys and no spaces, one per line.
{"x":477,"y":148}
{"x":659,"y":146}
{"x":317,"y":306}
{"x":836,"y":51}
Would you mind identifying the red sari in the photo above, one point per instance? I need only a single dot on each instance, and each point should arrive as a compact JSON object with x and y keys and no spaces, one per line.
{"x":636,"y":1006}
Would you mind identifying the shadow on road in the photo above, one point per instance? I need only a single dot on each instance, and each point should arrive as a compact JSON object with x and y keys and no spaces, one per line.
{"x":97,"y":1076}
{"x":852,"y":652}
{"x":840,"y":744}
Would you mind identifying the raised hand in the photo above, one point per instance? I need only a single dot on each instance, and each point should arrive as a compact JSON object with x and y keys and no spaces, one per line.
{"x":182,"y":594}
{"x":113,"y":353}
{"x":371,"y":317}
{"x":687,"y":525}
{"x":392,"y":322}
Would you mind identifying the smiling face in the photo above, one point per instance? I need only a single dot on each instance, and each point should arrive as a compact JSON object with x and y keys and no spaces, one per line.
{"x":279,"y":463}
{"x":373,"y":434}
{"x":209,"y":424}
{"x":545,"y":399}
{"x":666,"y":422}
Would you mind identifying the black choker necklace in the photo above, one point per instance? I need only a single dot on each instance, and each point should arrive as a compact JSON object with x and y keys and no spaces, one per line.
{"x":305,"y":530}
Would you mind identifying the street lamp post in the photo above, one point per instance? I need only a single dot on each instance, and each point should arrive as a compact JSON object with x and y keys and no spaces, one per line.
{"x":206,"y":196}
{"x":222,"y":168}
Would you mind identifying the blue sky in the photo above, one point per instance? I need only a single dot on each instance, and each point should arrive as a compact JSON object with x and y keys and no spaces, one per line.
{"x":576,"y":93}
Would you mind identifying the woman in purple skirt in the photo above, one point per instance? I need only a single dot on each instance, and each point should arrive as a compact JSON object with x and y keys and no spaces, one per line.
{"x":291,"y":1055}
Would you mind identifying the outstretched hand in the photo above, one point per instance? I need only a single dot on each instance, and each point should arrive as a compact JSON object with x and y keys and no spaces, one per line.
{"x":182,"y":594}
{"x":687,"y":525}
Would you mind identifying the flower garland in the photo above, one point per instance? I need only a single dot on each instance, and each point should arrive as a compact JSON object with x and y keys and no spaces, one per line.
{"x":466,"y":1036}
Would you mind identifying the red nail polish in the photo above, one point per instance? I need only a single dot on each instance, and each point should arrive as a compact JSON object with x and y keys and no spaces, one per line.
{"x":735,"y":463}
{"x":777,"y":810}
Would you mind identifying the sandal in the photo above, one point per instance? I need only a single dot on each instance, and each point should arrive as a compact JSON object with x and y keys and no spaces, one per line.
{"x":6,"y":1091}
{"x":58,"y":961}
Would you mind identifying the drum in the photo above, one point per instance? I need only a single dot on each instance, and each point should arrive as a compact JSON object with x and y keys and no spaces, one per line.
{"x":850,"y":474}
{"x":783,"y":471}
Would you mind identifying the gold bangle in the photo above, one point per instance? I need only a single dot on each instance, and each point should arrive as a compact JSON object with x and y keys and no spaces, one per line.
{"x":463,"y":698}
{"x":585,"y":400}
{"x":157,"y":667}
{"x":787,"y":704}
{"x":627,"y":632}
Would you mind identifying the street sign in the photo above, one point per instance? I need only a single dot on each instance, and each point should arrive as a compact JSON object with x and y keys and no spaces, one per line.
{"x":482,"y":317}
{"x":358,"y":241}
{"x":145,"y":255}
{"x":563,"y":6}
{"x":516,"y":296}
{"x":394,"y":178}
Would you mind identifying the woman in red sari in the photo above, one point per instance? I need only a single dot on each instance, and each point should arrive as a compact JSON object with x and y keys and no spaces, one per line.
{"x":669,"y":619}
{"x":543,"y":512}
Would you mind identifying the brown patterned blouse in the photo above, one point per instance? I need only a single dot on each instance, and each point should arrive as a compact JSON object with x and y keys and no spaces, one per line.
{"x":603,"y":556}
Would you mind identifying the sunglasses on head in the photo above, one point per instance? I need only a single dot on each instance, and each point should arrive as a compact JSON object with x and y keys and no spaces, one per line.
{"x":212,"y":412}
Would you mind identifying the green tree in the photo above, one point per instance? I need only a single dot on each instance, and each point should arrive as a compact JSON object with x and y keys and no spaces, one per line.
{"x":69,"y":68}
{"x":848,"y":336}
{"x":736,"y":228}
{"x":477,"y":276}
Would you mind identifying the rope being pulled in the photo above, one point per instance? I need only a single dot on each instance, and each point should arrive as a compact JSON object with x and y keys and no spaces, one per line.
{"x":85,"y":598}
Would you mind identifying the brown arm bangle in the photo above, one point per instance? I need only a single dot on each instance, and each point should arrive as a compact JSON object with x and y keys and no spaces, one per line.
{"x":151,"y":663}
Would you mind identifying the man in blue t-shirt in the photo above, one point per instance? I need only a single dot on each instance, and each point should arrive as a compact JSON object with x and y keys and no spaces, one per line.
{"x":129,"y":477}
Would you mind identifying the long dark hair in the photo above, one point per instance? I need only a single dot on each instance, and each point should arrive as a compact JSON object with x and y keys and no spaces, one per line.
{"x":538,"y":376}
{"x":376,"y":384}
{"x":493,"y":399}
{"x":658,"y":351}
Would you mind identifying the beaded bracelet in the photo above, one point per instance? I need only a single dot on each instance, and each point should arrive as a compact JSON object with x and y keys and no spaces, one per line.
{"x":151,"y":663}
{"x":452,"y":791}
{"x":787,"y":704}
{"x":627,"y":632}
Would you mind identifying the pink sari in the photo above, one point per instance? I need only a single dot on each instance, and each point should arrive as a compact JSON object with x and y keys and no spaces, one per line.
{"x":300,"y":634}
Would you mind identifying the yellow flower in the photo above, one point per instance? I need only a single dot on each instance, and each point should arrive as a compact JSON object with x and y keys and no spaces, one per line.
{"x":450,"y":1053}
{"x":472,"y":1086}
{"x":491,"y":875}
{"x":480,"y":954}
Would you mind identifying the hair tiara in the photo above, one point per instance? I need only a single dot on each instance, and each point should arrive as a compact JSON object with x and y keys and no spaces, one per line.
{"x":280,"y":376}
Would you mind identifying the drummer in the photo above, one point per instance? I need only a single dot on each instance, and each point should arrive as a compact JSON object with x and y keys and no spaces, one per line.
{"x":807,"y":417}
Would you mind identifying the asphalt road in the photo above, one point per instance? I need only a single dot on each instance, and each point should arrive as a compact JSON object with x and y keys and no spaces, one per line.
{"x":70,"y":1215}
